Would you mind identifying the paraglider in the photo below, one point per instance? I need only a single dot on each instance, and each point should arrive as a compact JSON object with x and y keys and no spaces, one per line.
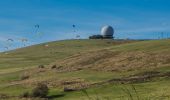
{"x":78,"y":36}
{"x":24,"y":40}
{"x":74,"y":30}
{"x":37,"y":26}
{"x":9,"y":43}
{"x":6,"y":48}
{"x":37,"y":32}
{"x":10,"y":40}
{"x":74,"y":26}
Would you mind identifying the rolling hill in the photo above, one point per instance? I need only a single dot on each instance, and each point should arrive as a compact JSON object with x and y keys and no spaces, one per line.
{"x":106,"y":69}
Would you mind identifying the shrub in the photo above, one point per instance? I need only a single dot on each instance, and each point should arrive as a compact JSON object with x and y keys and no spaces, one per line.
{"x":41,"y":90}
{"x":3,"y":96}
{"x":25,"y":95}
{"x":54,"y":66}
{"x":41,"y":66}
{"x":66,"y":89}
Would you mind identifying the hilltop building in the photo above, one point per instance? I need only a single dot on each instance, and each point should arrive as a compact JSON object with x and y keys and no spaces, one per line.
{"x":107,"y":32}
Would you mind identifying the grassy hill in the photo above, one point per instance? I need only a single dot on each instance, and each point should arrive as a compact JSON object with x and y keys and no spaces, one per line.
{"x":107,"y":69}
{"x":52,"y":51}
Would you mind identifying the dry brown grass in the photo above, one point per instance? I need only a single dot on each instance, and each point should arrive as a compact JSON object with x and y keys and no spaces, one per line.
{"x":105,"y":60}
{"x":101,"y":60}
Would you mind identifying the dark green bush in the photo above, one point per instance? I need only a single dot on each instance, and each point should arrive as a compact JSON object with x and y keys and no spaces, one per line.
{"x":54,"y":66}
{"x":41,"y":90}
{"x":25,"y":95}
{"x":41,"y":66}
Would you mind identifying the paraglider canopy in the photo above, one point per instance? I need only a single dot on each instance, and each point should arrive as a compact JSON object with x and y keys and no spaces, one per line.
{"x":74,"y":26}
{"x":37,"y":26}
{"x":24,"y":40}
{"x":10,"y":40}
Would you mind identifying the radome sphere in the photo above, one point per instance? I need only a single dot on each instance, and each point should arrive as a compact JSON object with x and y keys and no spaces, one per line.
{"x":107,"y":32}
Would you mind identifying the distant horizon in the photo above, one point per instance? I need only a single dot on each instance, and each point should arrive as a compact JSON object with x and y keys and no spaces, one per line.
{"x":123,"y":39}
{"x":40,"y":21}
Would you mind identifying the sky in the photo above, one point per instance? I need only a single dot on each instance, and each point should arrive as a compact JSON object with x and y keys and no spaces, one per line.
{"x":135,"y":19}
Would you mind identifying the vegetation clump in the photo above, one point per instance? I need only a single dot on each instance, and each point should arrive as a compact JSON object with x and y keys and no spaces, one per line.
{"x":25,"y":95}
{"x":3,"y":96}
{"x":66,"y":89}
{"x":41,"y":90}
{"x":54,"y":66}
{"x":41,"y":66}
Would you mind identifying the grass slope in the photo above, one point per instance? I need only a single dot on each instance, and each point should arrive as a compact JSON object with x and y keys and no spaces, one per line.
{"x":41,"y":54}
{"x":86,"y":62}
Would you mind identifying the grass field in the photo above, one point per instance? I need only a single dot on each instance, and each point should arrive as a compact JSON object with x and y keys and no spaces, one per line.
{"x":96,"y":69}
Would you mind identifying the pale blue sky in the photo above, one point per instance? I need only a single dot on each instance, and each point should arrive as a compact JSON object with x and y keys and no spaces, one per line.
{"x":130,"y":18}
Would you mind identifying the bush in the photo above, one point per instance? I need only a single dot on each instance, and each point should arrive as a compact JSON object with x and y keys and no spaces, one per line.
{"x":41,"y":66}
{"x":3,"y":96}
{"x":54,"y":66}
{"x":66,"y":89}
{"x":25,"y":95}
{"x":41,"y":90}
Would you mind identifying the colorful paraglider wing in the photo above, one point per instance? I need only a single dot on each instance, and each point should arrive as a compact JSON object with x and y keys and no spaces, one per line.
{"x":23,"y":40}
{"x":6,"y":48}
{"x":9,"y":43}
{"x":37,"y":26}
{"x":74,"y":26}
{"x":10,"y":40}
{"x":77,"y":36}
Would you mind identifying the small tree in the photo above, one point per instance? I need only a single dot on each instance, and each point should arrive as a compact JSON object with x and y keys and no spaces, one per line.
{"x":41,"y":90}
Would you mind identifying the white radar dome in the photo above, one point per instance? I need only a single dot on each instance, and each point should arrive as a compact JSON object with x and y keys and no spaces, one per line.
{"x":107,"y":31}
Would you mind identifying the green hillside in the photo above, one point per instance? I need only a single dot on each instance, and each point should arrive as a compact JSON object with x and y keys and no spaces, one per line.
{"x":106,"y":69}
{"x":41,"y":54}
